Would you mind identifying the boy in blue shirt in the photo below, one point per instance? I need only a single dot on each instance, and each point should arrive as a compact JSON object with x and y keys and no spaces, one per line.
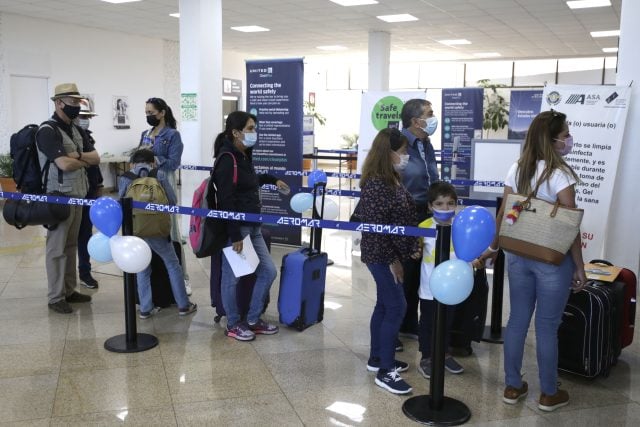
{"x":442,"y":201}
{"x":143,"y":162}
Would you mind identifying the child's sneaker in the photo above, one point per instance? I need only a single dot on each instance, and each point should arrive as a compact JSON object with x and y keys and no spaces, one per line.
{"x":393,"y":382}
{"x":453,"y":366}
{"x":147,"y":314}
{"x":240,"y":331}
{"x":191,"y":308}
{"x":550,"y":403}
{"x":513,"y":395}
{"x":425,"y":368}
{"x":373,"y":365}
{"x":187,"y":287}
{"x":264,"y":328}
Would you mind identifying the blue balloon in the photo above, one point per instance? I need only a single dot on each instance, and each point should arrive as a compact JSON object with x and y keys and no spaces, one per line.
{"x":106,"y":215}
{"x":316,"y":176}
{"x":452,"y":281}
{"x":472,"y":232}
{"x":99,"y":248}
{"x":301,"y":202}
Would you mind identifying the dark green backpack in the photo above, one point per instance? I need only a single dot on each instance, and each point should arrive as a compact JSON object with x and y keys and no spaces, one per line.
{"x":147,"y":189}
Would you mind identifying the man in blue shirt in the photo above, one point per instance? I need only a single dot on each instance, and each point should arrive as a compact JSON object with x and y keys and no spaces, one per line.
{"x":418,"y":123}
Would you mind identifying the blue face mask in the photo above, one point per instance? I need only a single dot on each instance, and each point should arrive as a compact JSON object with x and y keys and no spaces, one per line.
{"x":250,"y":139}
{"x":431,"y":125}
{"x":444,"y":216}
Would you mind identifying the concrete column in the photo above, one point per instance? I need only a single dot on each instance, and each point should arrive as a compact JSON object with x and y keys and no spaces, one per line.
{"x":622,"y":245}
{"x":379,"y":53}
{"x":200,"y":73}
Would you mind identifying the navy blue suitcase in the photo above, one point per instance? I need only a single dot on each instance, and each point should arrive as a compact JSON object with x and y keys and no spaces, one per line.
{"x":302,"y":279}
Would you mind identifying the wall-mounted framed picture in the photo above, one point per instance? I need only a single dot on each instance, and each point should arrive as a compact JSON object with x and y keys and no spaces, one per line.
{"x":121,"y":112}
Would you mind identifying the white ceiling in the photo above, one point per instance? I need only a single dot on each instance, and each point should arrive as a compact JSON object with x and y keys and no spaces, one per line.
{"x":514,"y":28}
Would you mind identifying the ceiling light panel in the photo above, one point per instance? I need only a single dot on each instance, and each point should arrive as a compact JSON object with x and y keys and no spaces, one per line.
{"x":250,"y":29}
{"x":611,"y":33}
{"x":583,"y":4}
{"x":403,"y":17}
{"x":354,"y":2}
{"x":119,"y":1}
{"x":609,"y":49}
{"x":454,"y":42}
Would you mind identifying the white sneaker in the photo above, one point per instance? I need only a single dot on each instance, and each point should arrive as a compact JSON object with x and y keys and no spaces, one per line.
{"x":187,"y":286}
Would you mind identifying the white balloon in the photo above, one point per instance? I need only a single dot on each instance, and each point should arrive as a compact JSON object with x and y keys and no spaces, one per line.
{"x":130,"y":253}
{"x":331,"y":210}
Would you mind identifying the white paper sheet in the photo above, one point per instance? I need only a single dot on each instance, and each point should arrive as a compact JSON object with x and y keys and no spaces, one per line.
{"x":245,"y":262}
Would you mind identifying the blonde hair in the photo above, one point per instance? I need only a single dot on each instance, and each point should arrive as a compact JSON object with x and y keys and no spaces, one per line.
{"x":538,"y":145}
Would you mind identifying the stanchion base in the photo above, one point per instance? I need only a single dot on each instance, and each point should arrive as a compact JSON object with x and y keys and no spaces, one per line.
{"x":452,"y":413}
{"x":119,"y":344}
{"x":491,"y":337}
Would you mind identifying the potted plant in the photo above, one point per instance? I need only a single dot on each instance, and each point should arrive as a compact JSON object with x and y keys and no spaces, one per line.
{"x":6,"y":173}
{"x":496,"y":107}
{"x":351,"y":143}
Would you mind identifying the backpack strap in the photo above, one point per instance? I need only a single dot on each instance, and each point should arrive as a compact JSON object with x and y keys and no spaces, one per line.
{"x":235,"y":166}
{"x":45,"y":169}
{"x":130,"y":175}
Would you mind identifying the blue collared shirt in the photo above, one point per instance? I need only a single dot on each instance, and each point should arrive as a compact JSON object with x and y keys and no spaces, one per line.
{"x":417,"y":177}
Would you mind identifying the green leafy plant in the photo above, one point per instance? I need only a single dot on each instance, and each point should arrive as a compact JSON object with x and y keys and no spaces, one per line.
{"x":310,"y":110}
{"x":350,"y":140}
{"x":496,"y":107}
{"x":6,"y":166}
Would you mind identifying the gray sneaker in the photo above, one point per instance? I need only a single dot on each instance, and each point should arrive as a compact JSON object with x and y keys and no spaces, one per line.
{"x":452,"y":366}
{"x":147,"y":314}
{"x":61,"y":307}
{"x":424,"y":367}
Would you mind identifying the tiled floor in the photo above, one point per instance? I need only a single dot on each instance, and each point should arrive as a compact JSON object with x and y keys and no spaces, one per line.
{"x":55,"y":371}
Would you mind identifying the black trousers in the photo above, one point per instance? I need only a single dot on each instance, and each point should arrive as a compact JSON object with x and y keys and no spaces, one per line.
{"x":84,"y":234}
{"x":427,"y":321}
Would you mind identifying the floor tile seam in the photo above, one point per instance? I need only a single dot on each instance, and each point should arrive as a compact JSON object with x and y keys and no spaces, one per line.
{"x":166,"y":378}
{"x":278,"y":385}
{"x":55,"y":394}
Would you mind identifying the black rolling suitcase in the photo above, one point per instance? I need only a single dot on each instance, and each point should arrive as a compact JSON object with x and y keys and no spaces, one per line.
{"x":589,"y":335}
{"x":244,"y":287}
{"x":161,"y":292}
{"x":470,"y":315}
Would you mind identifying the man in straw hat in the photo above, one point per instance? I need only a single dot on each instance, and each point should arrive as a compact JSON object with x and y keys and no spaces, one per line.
{"x":69,"y":151}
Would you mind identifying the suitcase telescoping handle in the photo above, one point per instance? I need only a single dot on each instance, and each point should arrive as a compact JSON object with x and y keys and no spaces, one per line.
{"x":315,"y":240}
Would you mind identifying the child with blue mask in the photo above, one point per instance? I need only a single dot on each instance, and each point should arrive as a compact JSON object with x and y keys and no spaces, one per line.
{"x":442,"y":202}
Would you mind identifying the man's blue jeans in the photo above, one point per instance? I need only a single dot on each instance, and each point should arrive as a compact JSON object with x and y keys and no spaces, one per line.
{"x":545,"y":288}
{"x":387,"y":315}
{"x":164,"y":248}
{"x":265,"y":275}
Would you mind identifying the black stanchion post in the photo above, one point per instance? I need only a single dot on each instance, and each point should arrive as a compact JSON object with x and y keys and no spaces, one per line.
{"x":131,"y":341}
{"x":436,"y":408}
{"x":493,"y":332}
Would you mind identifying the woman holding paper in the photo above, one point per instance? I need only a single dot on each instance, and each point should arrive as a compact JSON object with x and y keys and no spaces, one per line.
{"x":534,"y":285}
{"x":243,"y":195}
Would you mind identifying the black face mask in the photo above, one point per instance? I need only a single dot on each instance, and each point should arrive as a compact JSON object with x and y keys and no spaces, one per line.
{"x":71,"y":111}
{"x":153,"y":121}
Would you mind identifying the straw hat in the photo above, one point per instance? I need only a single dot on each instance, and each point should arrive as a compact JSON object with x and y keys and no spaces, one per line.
{"x":65,"y":90}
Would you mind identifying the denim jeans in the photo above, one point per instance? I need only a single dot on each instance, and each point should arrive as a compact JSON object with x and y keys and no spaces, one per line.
{"x":387,"y":315}
{"x":545,"y":288}
{"x":164,"y":249}
{"x":426,"y":334}
{"x":265,"y":275}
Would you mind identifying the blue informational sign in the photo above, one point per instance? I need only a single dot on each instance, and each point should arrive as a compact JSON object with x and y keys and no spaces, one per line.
{"x":523,"y":107}
{"x":461,"y":122}
{"x":274,"y":96}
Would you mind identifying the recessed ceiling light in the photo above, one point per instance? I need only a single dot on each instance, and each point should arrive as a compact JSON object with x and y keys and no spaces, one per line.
{"x":120,"y":1}
{"x":403,"y":17}
{"x":175,"y":15}
{"x":250,"y":29}
{"x":609,"y":49}
{"x":353,"y":2}
{"x":582,"y":4}
{"x":332,"y":47}
{"x":454,"y":42}
{"x":611,"y":33}
{"x":487,"y":55}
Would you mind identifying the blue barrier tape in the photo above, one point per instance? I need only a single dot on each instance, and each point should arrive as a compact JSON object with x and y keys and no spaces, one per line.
{"x":240,"y":216}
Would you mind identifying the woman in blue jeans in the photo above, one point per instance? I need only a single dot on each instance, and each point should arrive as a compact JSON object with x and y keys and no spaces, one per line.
{"x":384,"y":200}
{"x":535,"y":285}
{"x":238,"y":139}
